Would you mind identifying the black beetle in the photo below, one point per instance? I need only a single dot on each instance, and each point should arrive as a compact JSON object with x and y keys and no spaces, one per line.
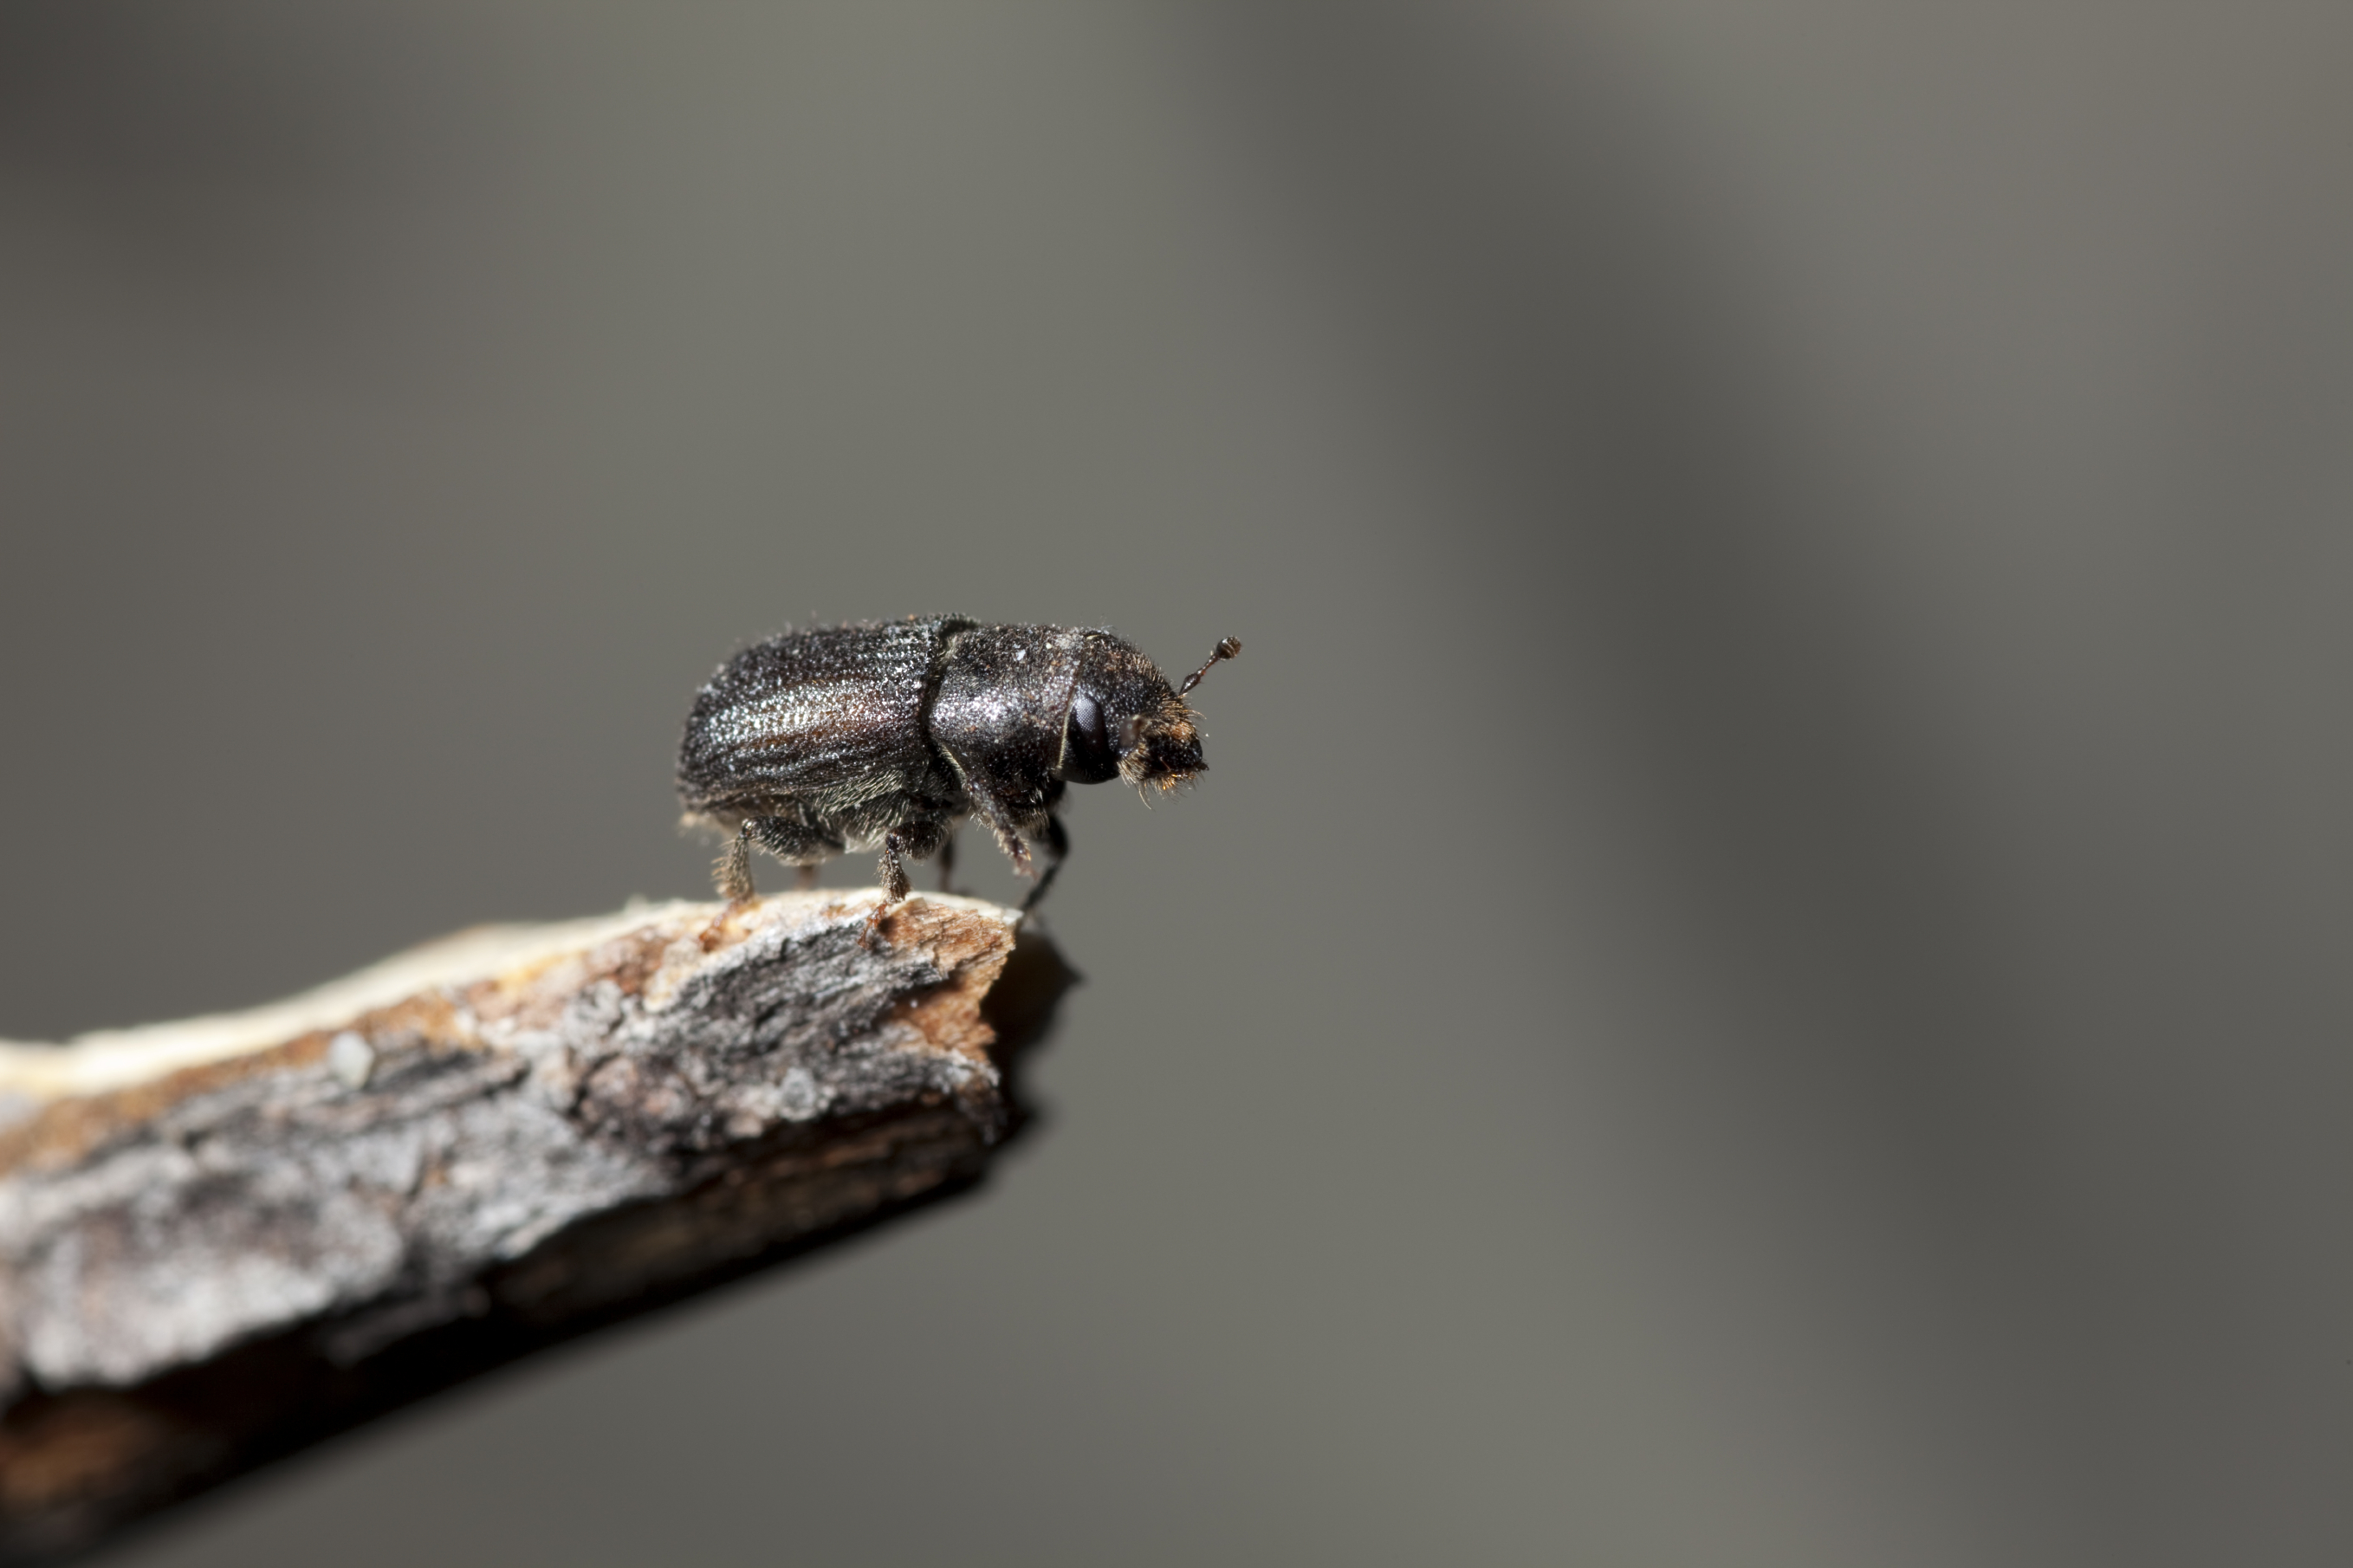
{"x":889,"y":733}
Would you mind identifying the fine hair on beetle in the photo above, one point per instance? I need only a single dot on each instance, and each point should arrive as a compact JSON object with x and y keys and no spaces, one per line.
{"x":886,"y":735}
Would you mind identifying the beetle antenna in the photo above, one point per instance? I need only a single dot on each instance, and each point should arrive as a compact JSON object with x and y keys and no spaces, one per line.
{"x":1227,"y":649}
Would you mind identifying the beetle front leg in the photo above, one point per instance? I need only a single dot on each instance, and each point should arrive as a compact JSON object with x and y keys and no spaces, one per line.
{"x":947,"y":862}
{"x":1058,"y":846}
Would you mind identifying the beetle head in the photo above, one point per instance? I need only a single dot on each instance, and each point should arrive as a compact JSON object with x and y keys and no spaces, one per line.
{"x":1124,"y":721}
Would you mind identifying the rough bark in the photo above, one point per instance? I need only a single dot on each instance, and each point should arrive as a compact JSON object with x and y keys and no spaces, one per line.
{"x":225,"y":1238}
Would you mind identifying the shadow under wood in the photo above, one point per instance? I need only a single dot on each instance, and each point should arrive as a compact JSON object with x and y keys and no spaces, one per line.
{"x":76,"y":1466}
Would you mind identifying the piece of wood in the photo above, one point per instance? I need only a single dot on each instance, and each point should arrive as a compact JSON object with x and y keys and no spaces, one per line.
{"x":225,"y":1238}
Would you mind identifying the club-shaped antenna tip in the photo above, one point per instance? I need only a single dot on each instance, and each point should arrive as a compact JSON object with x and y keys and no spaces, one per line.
{"x":1226,"y":647}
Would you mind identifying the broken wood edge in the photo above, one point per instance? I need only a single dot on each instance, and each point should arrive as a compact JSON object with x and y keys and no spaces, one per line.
{"x":79,"y":1462}
{"x":33,"y":1073}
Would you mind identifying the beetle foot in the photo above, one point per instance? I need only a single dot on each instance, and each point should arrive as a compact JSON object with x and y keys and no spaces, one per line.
{"x":708,"y":938}
{"x":872,"y":938}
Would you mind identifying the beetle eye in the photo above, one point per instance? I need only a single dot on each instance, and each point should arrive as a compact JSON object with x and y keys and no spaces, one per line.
{"x":1087,"y":756}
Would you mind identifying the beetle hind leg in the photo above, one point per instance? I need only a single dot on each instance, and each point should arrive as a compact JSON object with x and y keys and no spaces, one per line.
{"x":894,"y":888}
{"x":732,"y":872}
{"x":893,"y":870}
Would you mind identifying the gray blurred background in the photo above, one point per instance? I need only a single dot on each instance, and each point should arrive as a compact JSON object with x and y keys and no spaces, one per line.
{"x":1760,"y":976}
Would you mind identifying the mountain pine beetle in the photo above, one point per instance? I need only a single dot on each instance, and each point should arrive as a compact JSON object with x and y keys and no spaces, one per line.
{"x":890,"y":733}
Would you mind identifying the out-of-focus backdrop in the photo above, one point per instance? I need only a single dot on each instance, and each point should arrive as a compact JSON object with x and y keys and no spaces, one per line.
{"x":1760,"y":976}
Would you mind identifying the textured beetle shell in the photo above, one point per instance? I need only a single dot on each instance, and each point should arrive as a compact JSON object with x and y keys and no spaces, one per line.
{"x":821,"y":724}
{"x":888,"y":732}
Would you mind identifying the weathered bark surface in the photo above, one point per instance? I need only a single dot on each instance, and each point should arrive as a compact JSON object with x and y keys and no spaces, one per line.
{"x":225,"y":1238}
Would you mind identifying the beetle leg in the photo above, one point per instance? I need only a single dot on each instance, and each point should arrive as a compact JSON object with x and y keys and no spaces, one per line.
{"x":1058,"y":845}
{"x":947,"y":862}
{"x":1015,"y":849}
{"x":733,"y":872}
{"x":894,"y":888}
{"x":805,"y":876}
